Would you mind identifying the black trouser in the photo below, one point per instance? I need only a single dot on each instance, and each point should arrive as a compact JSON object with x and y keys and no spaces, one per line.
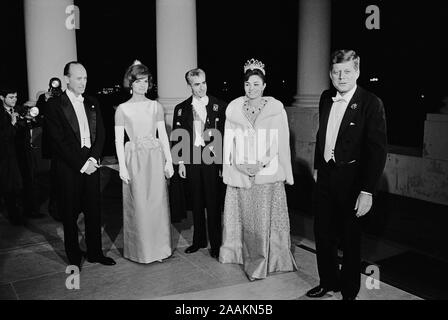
{"x":79,"y":192}
{"x":29,"y":192}
{"x":52,"y":203}
{"x":335,"y":223}
{"x":11,"y":205}
{"x":205,"y":188}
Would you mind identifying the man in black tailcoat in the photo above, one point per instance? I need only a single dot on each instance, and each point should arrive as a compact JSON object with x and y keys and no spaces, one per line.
{"x":350,"y":156}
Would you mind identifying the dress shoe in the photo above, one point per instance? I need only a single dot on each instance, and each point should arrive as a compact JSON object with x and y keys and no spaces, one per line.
{"x":103,"y":260}
{"x":348,"y":298}
{"x":192,"y":249}
{"x":319,"y":291}
{"x":214,"y":253}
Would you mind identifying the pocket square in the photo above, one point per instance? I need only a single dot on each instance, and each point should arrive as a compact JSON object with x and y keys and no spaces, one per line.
{"x":352,"y":123}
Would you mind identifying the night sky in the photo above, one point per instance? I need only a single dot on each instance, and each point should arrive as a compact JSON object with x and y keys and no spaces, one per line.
{"x":408,"y":54}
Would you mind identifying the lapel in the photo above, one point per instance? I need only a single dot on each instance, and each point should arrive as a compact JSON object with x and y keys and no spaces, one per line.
{"x":69,"y":112}
{"x":210,"y":112}
{"x":91,"y":118}
{"x":350,"y":112}
{"x":327,"y":103}
{"x":187,"y":113}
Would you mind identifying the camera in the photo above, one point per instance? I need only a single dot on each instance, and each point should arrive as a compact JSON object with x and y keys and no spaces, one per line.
{"x":55,"y":87}
{"x":27,"y":111}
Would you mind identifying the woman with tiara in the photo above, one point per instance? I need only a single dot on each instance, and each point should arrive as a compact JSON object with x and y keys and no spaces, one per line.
{"x":256,"y":165}
{"x":144,"y":163}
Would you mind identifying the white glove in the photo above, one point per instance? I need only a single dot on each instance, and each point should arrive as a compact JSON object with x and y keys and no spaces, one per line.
{"x":124,"y":175}
{"x":169,"y":170}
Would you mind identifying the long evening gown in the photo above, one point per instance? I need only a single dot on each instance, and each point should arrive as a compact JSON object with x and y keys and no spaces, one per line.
{"x":256,"y":226}
{"x":146,"y":216}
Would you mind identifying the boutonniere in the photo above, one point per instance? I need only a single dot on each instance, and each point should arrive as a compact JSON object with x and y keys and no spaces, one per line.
{"x":179,"y":113}
{"x":354,"y":106}
{"x":215,"y":107}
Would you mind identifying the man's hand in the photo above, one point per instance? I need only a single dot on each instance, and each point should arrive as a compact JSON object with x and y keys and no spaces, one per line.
{"x":182,"y":171}
{"x":48,"y":95}
{"x":363,"y":204}
{"x":91,"y":168}
{"x":315,"y":175}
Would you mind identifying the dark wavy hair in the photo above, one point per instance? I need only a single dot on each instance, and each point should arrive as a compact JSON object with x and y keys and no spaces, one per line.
{"x":254,"y":72}
{"x":340,"y":56}
{"x":134,"y":72}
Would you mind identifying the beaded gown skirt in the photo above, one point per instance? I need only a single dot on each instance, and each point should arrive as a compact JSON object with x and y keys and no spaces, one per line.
{"x":256,"y":230}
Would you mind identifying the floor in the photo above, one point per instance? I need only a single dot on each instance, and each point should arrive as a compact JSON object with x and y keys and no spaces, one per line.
{"x":33,"y":265}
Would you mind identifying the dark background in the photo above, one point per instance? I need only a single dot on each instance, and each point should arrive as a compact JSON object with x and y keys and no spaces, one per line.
{"x":408,"y":54}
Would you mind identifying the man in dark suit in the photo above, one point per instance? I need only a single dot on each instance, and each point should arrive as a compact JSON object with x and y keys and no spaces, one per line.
{"x":76,"y":131}
{"x":16,"y":165}
{"x":349,"y":159}
{"x":201,"y":117}
{"x":54,"y":90}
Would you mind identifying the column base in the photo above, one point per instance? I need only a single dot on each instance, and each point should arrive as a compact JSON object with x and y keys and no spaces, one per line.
{"x":306,"y":100}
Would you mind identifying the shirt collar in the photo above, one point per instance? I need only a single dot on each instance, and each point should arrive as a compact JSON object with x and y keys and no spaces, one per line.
{"x":74,"y":98}
{"x":203,"y":100}
{"x":346,"y":97}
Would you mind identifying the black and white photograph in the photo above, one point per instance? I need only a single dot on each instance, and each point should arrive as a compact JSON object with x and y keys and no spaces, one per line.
{"x":226,"y":158}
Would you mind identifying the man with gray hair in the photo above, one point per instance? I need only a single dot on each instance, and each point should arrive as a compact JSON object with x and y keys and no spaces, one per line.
{"x":350,"y":156}
{"x":201,"y":117}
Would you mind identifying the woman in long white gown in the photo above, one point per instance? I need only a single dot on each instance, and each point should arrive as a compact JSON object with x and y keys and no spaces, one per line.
{"x":144,"y":163}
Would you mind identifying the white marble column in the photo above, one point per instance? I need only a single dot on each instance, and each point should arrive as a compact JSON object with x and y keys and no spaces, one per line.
{"x":50,"y":41}
{"x":176,"y":51}
{"x":313,"y":51}
{"x":312,"y":77}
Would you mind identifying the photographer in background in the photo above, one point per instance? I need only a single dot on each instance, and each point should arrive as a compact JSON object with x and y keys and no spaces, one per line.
{"x":54,"y":90}
{"x":16,"y":169}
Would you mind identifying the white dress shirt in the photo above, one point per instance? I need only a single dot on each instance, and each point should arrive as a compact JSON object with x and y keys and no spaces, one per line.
{"x":337,"y":112}
{"x":78,"y":105}
{"x":200,"y":115}
{"x":84,"y":131}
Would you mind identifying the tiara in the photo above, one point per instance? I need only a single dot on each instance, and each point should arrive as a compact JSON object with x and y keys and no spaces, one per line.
{"x":254,"y":64}
{"x":136,"y":62}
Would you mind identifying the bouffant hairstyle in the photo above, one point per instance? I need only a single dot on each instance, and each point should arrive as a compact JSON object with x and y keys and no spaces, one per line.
{"x":136,"y":71}
{"x":254,"y":72}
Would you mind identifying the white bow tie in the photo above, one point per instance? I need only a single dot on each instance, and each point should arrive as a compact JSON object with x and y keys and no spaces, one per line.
{"x":338,"y":99}
{"x":79,"y":98}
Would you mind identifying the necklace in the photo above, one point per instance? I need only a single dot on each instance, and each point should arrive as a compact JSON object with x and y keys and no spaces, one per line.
{"x":254,"y":109}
